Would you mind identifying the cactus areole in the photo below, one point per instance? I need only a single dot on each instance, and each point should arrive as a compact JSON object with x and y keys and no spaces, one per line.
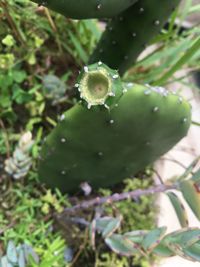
{"x":102,"y":146}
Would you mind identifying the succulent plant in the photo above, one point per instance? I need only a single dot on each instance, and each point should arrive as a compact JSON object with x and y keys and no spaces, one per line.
{"x":184,"y":243}
{"x":19,"y":164}
{"x":89,"y":9}
{"x":103,"y":146}
{"x":127,"y":34}
{"x":18,"y":256}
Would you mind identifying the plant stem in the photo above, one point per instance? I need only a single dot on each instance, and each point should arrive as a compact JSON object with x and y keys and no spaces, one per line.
{"x":118,"y":197}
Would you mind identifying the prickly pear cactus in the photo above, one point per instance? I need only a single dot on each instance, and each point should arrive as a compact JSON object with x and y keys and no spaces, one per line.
{"x":127,"y":35}
{"x":87,"y":9}
{"x":102,"y":146}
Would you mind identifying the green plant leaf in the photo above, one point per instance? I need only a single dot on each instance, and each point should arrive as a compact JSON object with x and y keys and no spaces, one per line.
{"x":121,"y":245}
{"x":179,"y":208}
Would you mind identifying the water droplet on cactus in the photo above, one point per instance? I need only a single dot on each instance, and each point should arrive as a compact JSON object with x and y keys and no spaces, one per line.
{"x":111,"y":121}
{"x":124,"y":90}
{"x":63,"y":172}
{"x":100,"y":63}
{"x":89,"y":106}
{"x":114,"y":42}
{"x":63,"y":140}
{"x":121,"y":18}
{"x":184,"y":120}
{"x":134,"y":34}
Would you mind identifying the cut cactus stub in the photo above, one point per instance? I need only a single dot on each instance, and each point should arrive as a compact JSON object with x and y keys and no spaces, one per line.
{"x":102,"y":147}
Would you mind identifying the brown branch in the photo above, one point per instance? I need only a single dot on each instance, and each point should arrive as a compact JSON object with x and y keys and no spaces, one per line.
{"x":117,"y":197}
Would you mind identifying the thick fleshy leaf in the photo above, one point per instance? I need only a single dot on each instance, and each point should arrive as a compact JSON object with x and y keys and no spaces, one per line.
{"x":179,"y":208}
{"x":21,"y":259}
{"x":11,"y":252}
{"x":136,"y":236}
{"x":101,"y":223}
{"x":196,"y":176}
{"x":193,"y":252}
{"x":153,"y":238}
{"x":191,"y":193}
{"x":121,"y":245}
{"x":111,"y":227}
{"x":163,"y":251}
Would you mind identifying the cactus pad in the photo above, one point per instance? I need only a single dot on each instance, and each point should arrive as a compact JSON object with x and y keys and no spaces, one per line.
{"x":85,"y":9}
{"x":102,"y":147}
{"x":127,"y":35}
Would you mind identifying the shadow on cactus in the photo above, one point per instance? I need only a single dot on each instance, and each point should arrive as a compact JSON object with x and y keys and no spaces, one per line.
{"x":104,"y":142}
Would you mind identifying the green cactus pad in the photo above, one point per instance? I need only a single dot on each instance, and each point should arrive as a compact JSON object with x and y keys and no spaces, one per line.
{"x":85,"y":9}
{"x":99,"y":85}
{"x":127,"y":35}
{"x":102,"y":147}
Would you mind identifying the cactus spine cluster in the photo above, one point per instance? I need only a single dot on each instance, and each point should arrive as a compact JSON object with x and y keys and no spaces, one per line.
{"x":103,"y":146}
